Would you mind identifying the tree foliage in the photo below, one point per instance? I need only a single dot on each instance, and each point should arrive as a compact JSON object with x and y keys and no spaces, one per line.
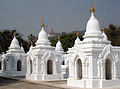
{"x":6,"y":37}
{"x":32,"y":38}
{"x":67,"y":40}
{"x":113,"y":34}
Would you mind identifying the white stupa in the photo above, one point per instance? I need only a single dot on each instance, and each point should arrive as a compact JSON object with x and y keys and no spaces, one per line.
{"x":43,"y":62}
{"x":93,"y":27}
{"x":22,"y":47}
{"x":14,"y":46}
{"x":77,"y":41}
{"x":30,"y":49}
{"x":104,"y":35}
{"x":14,"y":61}
{"x":59,"y":46}
{"x":94,"y":63}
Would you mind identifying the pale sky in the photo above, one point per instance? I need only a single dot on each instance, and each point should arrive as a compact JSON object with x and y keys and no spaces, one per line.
{"x":61,"y":15}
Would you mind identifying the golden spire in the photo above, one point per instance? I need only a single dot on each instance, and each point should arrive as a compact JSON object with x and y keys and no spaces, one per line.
{"x":51,"y":30}
{"x":58,"y":38}
{"x":77,"y":33}
{"x":14,"y":34}
{"x":103,"y":27}
{"x":42,"y":25}
{"x":92,"y":8}
{"x":31,"y":43}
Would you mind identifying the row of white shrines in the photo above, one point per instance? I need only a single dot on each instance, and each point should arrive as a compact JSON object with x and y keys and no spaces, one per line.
{"x":91,"y":63}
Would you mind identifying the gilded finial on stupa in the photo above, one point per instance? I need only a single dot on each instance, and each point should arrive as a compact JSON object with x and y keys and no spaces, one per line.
{"x":103,"y":27}
{"x":14,"y":34}
{"x":92,"y":8}
{"x":58,"y":38}
{"x":42,"y":25}
{"x":77,"y":33}
{"x":51,"y":30}
{"x":31,"y":43}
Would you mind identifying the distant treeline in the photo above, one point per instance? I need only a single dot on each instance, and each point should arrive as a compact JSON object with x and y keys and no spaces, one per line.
{"x":67,"y":40}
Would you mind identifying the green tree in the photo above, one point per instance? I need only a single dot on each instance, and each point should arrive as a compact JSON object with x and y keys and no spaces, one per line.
{"x":67,"y":40}
{"x":32,"y":38}
{"x":113,"y":34}
{"x":6,"y":37}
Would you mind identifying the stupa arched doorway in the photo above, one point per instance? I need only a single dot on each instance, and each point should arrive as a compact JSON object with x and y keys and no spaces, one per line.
{"x":49,"y":67}
{"x":108,"y":69}
{"x":30,"y":66}
{"x":79,"y":69}
{"x":19,"y":65}
{"x":4,"y":65}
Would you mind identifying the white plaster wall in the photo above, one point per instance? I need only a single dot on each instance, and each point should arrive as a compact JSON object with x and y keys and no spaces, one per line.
{"x":11,"y":66}
{"x":40,"y":66}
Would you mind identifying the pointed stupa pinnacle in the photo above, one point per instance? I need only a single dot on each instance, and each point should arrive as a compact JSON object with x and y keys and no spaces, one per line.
{"x":22,"y":47}
{"x":58,"y":38}
{"x":51,"y":30}
{"x":14,"y":34}
{"x":31,"y":46}
{"x":31,"y":43}
{"x":103,"y":33}
{"x":103,"y":27}
{"x":15,"y":43}
{"x":92,"y":10}
{"x":59,"y":46}
{"x":42,"y":25}
{"x":77,"y":41}
{"x":77,"y":33}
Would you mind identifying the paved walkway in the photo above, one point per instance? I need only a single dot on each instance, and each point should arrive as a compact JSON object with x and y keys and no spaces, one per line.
{"x":21,"y":83}
{"x":6,"y":83}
